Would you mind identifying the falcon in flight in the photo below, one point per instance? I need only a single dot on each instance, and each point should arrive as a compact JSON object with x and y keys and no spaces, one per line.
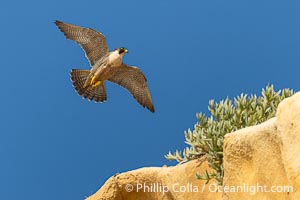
{"x":106,"y":66}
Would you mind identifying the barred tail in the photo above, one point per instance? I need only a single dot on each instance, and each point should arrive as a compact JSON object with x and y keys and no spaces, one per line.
{"x":79,"y":77}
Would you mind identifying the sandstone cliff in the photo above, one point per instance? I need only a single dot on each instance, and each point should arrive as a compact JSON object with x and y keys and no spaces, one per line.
{"x":260,"y":162}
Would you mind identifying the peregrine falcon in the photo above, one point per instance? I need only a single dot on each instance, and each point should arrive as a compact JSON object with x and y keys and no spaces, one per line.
{"x":105,"y":66}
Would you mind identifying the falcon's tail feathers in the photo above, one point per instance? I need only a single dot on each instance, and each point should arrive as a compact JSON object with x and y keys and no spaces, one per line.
{"x":79,"y":77}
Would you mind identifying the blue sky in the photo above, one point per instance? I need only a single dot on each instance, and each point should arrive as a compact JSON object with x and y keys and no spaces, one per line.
{"x":56,"y":145}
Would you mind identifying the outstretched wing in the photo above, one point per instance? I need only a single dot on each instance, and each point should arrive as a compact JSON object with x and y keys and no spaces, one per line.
{"x":91,"y":41}
{"x":132,"y":79}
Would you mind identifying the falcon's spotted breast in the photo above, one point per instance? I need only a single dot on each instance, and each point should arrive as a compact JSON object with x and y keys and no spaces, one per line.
{"x":106,"y":66}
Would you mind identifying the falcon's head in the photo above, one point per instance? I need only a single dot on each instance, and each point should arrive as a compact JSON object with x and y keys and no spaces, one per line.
{"x":122,"y":50}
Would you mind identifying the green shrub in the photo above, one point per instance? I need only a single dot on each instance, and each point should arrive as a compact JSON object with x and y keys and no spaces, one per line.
{"x":206,"y":140}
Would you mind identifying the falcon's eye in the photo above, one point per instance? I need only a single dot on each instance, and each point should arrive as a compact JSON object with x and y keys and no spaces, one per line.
{"x":122,"y":50}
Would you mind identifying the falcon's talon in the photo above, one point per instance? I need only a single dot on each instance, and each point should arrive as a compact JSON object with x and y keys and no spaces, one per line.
{"x":93,"y":80}
{"x":95,"y":83}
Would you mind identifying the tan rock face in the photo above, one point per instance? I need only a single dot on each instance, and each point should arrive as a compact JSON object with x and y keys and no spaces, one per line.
{"x":252,"y":158}
{"x":288,"y":122}
{"x":260,"y":162}
{"x":165,"y":183}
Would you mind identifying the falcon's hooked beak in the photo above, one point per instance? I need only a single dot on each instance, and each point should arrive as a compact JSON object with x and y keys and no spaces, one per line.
{"x":125,"y":50}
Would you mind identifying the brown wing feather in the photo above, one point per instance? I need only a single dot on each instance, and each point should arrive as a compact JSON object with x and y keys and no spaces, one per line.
{"x":91,"y":41}
{"x":132,"y":79}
